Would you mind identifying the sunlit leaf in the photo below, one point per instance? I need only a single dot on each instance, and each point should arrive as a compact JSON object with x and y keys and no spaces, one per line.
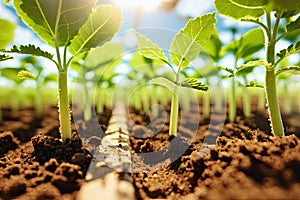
{"x":100,"y":27}
{"x":191,"y":40}
{"x":241,"y":9}
{"x":149,"y":49}
{"x":7,"y":29}
{"x":287,"y":69}
{"x":54,"y":20}
{"x":165,"y":83}
{"x":294,"y":25}
{"x":292,"y":49}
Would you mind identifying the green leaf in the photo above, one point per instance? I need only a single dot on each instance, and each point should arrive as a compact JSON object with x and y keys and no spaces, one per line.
{"x":50,"y":78}
{"x":149,"y":49}
{"x":292,"y":49}
{"x":11,"y":73}
{"x":287,"y":69}
{"x":193,"y":83}
{"x":294,"y":25}
{"x":190,"y":40}
{"x":103,"y":55}
{"x":100,"y":27}
{"x":214,"y":46}
{"x":288,"y":5}
{"x":255,"y":84}
{"x":250,"y":43}
{"x":30,"y":49}
{"x":23,"y":74}
{"x":145,"y":65}
{"x":6,"y":32}
{"x":55,"y":20}
{"x":249,"y":66}
{"x":5,"y":57}
{"x":241,"y":9}
{"x":165,"y":83}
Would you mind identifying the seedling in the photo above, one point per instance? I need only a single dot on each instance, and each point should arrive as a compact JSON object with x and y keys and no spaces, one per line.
{"x":73,"y":25}
{"x":275,"y":12}
{"x":100,"y":61}
{"x":185,"y":47}
{"x":31,"y":69}
{"x":242,"y":49}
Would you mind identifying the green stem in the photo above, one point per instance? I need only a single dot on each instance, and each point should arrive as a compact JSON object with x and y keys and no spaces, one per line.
{"x":261,"y":100}
{"x":287,"y":99}
{"x":270,"y":81}
{"x":100,"y":100}
{"x":246,"y":103}
{"x":63,"y":105}
{"x":1,"y":116}
{"x":232,"y":102}
{"x":174,"y":114}
{"x":206,"y":104}
{"x":154,"y":103}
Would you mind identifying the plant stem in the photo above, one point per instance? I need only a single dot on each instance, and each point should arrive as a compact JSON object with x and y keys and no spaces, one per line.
{"x":206,"y":104}
{"x":174,"y":114}
{"x":287,"y":99}
{"x":270,"y":80}
{"x":232,"y":102}
{"x":261,"y":100}
{"x":246,"y":102}
{"x":63,"y":106}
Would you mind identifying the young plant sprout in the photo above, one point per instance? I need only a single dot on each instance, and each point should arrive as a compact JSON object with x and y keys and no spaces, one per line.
{"x":275,"y":12}
{"x":73,"y":25}
{"x":101,"y":61}
{"x":148,"y":69}
{"x":31,"y":69}
{"x":185,"y":47}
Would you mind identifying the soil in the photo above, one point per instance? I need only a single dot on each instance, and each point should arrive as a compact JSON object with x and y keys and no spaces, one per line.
{"x":243,"y":162}
{"x":34,"y":164}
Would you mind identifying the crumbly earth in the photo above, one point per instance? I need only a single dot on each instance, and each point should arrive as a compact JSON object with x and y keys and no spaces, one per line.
{"x":34,"y":164}
{"x":217,"y":160}
{"x":243,"y":162}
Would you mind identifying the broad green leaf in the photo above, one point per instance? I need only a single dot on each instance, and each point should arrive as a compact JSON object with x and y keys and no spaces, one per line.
{"x":149,"y":49}
{"x":286,"y":5}
{"x":206,"y":71}
{"x":193,"y":83}
{"x":165,"y":83}
{"x":50,"y":78}
{"x":30,"y":49}
{"x":5,"y":57}
{"x":7,"y":30}
{"x":23,"y":74}
{"x":250,"y":43}
{"x":213,"y":47}
{"x":241,"y":9}
{"x":145,"y":65}
{"x":103,"y":55}
{"x":100,"y":27}
{"x":54,"y":20}
{"x":294,"y":25}
{"x":191,"y":40}
{"x":12,"y":74}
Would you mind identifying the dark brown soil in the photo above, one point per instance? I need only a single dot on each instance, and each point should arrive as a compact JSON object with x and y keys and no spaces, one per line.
{"x":244,"y":162}
{"x":34,"y":164}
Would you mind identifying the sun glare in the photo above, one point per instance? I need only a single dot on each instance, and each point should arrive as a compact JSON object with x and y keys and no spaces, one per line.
{"x":146,"y":5}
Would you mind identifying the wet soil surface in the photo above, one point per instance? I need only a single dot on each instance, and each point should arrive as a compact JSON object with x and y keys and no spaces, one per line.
{"x":219,"y":160}
{"x":34,"y":164}
{"x":209,"y":159}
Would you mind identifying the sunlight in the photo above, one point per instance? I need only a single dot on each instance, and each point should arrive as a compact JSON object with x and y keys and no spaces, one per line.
{"x":145,"y":5}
